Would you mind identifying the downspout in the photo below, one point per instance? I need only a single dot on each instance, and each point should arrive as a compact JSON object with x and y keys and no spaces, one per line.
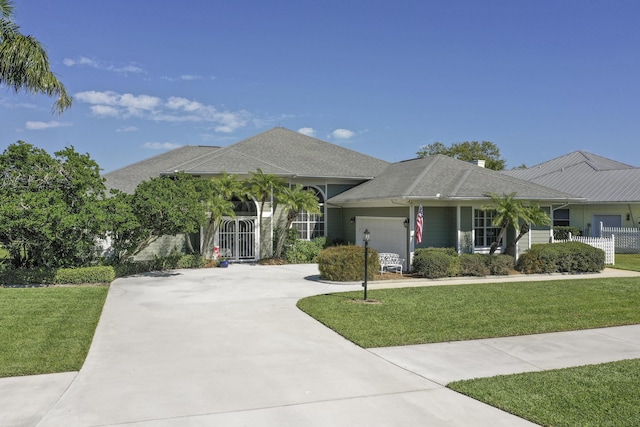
{"x":633,"y":221}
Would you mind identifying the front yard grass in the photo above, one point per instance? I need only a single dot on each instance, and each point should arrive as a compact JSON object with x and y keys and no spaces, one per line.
{"x":627,"y":262}
{"x":464,"y":312}
{"x":596,"y":395}
{"x":47,"y":330}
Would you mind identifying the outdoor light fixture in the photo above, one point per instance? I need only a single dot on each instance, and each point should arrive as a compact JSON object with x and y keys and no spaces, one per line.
{"x":352,"y":219}
{"x":367,"y":236}
{"x":406,"y":223}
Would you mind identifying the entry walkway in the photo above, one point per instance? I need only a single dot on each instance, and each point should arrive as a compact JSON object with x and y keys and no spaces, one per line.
{"x":229,"y":347}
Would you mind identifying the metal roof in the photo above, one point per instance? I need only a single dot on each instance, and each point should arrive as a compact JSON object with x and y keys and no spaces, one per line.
{"x":593,"y":177}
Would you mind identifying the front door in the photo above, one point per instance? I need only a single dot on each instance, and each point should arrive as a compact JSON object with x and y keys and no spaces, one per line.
{"x":237,"y":238}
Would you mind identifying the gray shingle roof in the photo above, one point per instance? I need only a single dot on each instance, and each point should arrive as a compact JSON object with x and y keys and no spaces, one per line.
{"x":426,"y":178}
{"x":127,"y":178}
{"x":285,"y":152}
{"x":593,"y":177}
{"x":277,"y":151}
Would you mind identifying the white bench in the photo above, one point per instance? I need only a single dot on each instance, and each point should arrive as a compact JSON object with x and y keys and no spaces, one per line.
{"x":390,"y":262}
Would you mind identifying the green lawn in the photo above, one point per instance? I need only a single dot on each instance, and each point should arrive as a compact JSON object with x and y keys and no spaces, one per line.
{"x":47,"y":330}
{"x":627,"y":262}
{"x":452,"y":313}
{"x":596,"y":395}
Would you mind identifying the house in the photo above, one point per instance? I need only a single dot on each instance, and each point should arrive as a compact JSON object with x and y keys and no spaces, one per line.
{"x":355,"y":192}
{"x":610,"y":189}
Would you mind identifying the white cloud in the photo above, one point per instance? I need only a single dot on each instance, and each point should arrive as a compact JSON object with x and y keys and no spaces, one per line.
{"x":46,"y":125}
{"x":173,"y":110}
{"x":161,"y":145}
{"x":307,"y":131}
{"x":342,"y":134}
{"x":127,"y":129}
{"x":177,"y":103}
{"x":88,"y":62}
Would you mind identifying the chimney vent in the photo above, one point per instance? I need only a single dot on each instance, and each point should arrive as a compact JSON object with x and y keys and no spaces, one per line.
{"x":479,"y":162}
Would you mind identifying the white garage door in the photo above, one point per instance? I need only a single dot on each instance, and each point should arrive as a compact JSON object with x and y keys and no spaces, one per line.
{"x":387,"y":234}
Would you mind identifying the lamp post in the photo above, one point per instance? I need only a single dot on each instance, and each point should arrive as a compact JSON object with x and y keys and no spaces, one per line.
{"x":367,"y":236}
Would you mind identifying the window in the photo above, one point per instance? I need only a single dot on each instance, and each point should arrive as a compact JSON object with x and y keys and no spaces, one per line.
{"x":486,"y":233}
{"x":310,"y":226}
{"x":561,"y":218}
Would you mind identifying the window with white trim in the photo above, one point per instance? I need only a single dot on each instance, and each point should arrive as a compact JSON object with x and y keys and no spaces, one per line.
{"x":310,"y":226}
{"x":485,"y":232}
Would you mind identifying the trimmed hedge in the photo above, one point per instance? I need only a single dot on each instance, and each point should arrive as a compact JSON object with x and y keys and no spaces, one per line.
{"x":566,"y":257}
{"x":474,"y":265}
{"x":562,"y":232}
{"x":346,"y":263}
{"x":434,"y":263}
{"x":58,"y":276}
{"x":96,"y":274}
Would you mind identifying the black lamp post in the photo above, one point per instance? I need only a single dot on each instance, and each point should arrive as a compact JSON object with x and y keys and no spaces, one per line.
{"x":367,"y":236}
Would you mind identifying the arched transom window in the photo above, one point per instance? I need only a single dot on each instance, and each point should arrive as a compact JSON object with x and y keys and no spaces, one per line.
{"x":310,"y":226}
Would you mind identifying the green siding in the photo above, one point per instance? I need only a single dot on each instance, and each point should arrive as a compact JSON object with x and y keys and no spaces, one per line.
{"x":439,"y":229}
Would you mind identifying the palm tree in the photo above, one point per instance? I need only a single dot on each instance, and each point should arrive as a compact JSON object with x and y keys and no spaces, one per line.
{"x":294,"y":200}
{"x":263,"y":186}
{"x":24,"y":64}
{"x":510,"y":212}
{"x":218,"y":193}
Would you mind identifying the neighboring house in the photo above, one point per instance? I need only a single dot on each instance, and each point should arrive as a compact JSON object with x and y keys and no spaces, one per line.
{"x":611,"y":190}
{"x":325,"y":168}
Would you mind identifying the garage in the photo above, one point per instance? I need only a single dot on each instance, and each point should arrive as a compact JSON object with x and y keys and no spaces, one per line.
{"x":388,"y":234}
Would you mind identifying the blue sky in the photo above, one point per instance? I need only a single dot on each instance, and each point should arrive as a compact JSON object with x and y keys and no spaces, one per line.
{"x":537,"y":78}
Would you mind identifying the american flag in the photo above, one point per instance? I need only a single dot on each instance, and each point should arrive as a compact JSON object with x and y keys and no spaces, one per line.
{"x":419,"y":224}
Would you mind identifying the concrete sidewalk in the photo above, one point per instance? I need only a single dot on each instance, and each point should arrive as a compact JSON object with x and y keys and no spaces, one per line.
{"x":229,"y":347}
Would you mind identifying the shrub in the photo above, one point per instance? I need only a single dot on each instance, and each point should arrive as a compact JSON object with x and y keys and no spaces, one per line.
{"x":434,"y":264}
{"x":474,"y":265}
{"x":500,"y":265}
{"x":562,"y":232}
{"x":566,"y":257}
{"x":97,"y":274}
{"x":304,"y":251}
{"x":346,"y":263}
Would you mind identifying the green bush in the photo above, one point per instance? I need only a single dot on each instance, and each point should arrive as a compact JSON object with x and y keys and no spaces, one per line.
{"x":434,"y":264}
{"x":474,"y":265}
{"x":562,"y":232}
{"x":500,"y":265}
{"x":566,"y":257}
{"x":346,"y":263}
{"x":304,"y":251}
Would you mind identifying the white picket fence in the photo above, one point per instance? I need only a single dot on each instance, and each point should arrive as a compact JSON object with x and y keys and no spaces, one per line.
{"x":607,"y":244}
{"x":627,"y":239}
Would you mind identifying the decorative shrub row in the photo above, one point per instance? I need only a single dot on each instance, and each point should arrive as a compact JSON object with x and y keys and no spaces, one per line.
{"x":346,"y":263}
{"x":58,"y":276}
{"x":171,"y":262}
{"x":434,"y":263}
{"x":562,"y":232}
{"x":96,"y":274}
{"x":567,"y":257}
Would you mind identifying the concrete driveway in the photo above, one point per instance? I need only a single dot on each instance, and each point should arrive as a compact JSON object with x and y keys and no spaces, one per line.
{"x":229,"y":347}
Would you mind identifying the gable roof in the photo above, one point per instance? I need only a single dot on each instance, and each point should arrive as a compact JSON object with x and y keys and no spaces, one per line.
{"x":127,"y":178}
{"x":593,"y":177}
{"x":287,"y":153}
{"x":444,"y":178}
